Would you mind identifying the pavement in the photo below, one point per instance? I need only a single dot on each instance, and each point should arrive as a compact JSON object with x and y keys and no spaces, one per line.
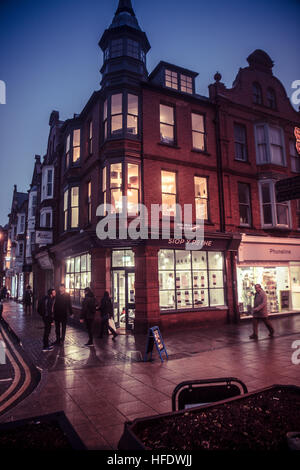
{"x":100,"y":388}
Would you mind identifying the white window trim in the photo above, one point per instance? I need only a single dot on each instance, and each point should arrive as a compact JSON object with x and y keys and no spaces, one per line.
{"x":268,"y":146}
{"x":273,"y":206}
{"x":44,"y":211}
{"x":19,"y":226}
{"x":45,"y":182}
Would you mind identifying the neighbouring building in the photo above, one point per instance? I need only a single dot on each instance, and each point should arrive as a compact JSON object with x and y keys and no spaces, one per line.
{"x":153,"y":139}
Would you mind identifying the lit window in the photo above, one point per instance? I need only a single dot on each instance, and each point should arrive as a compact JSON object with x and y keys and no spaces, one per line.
{"x":132,"y":188}
{"x":190,"y":279}
{"x":167,"y":134}
{"x":240,"y":144}
{"x":116,"y":187}
{"x":244,"y":204}
{"x":75,"y":207}
{"x":78,"y":276}
{"x":76,"y":146}
{"x":68,"y":151}
{"x":105,"y":118}
{"x":186,"y":84}
{"x":198,"y":131}
{"x":66,"y":202}
{"x":89,"y":201}
{"x":104,"y":187}
{"x":116,"y":114}
{"x":201,"y":198}
{"x":171,"y":79}
{"x":132,"y":114}
{"x":168,"y":193}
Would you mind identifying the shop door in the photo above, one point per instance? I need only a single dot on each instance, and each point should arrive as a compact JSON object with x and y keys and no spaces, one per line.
{"x":123,"y":298}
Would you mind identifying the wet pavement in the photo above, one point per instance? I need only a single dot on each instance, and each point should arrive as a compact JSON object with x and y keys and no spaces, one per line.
{"x":100,"y":388}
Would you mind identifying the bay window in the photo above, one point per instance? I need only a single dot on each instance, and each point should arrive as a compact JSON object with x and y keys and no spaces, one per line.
{"x":273,"y":213}
{"x":73,"y":148}
{"x":89,"y":202}
{"x":66,"y":207}
{"x":168,"y":193}
{"x":74,"y":207}
{"x":116,"y":180}
{"x":119,"y":180}
{"x":47,"y":182}
{"x":190,"y":279}
{"x":121,"y":114}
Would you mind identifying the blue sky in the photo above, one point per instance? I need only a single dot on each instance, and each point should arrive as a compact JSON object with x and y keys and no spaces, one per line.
{"x":50,"y":59}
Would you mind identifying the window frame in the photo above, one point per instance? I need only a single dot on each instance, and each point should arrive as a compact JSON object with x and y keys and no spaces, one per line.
{"x":107,"y":116}
{"x":244,"y":144}
{"x":123,"y":187}
{"x":172,"y":143}
{"x":267,"y":128}
{"x":257,"y":96}
{"x":203,"y":115}
{"x":168,"y":193}
{"x":249,"y":205}
{"x":69,"y":148}
{"x":202,"y":198}
{"x":273,"y":202}
{"x":294,"y":157}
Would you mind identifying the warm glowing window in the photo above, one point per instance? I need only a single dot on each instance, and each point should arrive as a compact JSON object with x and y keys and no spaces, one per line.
{"x":198,"y":131}
{"x":168,"y":193}
{"x":75,"y":207}
{"x":132,"y":188}
{"x":132,"y":114}
{"x":171,"y":79}
{"x":116,"y":187}
{"x":66,"y":202}
{"x":78,"y":276}
{"x":104,"y":188}
{"x":116,"y":114}
{"x":68,"y":148}
{"x":186,"y":84}
{"x":201,"y":198}
{"x":89,"y":201}
{"x":167,"y":124}
{"x":76,"y":145}
{"x":105,"y":118}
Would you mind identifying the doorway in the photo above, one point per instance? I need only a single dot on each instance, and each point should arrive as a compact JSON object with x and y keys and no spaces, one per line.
{"x":124,"y":297}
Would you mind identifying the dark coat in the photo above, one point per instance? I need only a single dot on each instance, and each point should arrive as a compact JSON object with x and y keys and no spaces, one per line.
{"x":62,"y":307}
{"x":260,"y":309}
{"x":106,"y":308}
{"x":45,"y":307}
{"x":88,"y":307}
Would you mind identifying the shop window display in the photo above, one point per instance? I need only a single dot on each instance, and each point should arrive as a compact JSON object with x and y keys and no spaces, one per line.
{"x":190,"y":279}
{"x":275,"y":281}
{"x":78,"y":276}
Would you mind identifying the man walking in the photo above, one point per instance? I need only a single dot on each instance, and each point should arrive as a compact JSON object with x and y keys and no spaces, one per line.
{"x":260,"y":312}
{"x":62,"y":308}
{"x":46,"y":310}
{"x":88,"y":313}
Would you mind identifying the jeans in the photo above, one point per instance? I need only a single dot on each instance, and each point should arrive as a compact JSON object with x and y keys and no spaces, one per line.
{"x":60,"y":335}
{"x":47,"y":330}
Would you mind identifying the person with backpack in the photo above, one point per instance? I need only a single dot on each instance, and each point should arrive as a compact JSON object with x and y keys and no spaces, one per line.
{"x":46,"y":310}
{"x":88,"y":311}
{"x":106,"y":310}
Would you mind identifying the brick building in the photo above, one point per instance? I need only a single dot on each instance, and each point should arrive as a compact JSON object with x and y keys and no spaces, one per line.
{"x":153,"y":139}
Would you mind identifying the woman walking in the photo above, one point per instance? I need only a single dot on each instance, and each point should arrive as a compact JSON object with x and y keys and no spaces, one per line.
{"x":106,"y":310}
{"x":88,"y":313}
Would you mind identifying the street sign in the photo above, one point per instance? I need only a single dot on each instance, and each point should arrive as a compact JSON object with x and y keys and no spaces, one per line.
{"x":288,"y":189}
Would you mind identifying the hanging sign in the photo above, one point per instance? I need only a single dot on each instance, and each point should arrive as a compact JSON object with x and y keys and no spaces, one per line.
{"x":155,"y":337}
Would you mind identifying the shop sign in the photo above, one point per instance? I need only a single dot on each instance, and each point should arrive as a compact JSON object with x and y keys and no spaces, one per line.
{"x":205,"y":245}
{"x":287,"y":189}
{"x":43,"y":237}
{"x":45,"y":262}
{"x":268,"y":252}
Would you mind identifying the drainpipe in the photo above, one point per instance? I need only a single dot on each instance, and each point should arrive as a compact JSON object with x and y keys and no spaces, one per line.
{"x":220,"y":166}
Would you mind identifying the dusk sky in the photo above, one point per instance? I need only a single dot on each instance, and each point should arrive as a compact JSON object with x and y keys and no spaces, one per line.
{"x":50,"y":59}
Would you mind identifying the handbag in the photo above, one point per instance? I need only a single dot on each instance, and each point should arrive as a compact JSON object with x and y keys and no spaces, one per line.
{"x":112,"y":324}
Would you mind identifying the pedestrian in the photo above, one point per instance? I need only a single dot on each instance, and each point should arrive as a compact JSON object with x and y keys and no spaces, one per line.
{"x":260,"y":312}
{"x":106,"y":310}
{"x":46,"y":310}
{"x":88,"y":313}
{"x":62,"y":309}
{"x":3,"y":294}
{"x":28,"y":300}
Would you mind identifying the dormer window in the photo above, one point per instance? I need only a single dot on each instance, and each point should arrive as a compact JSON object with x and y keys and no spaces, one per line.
{"x":186,"y":84}
{"x":171,"y":79}
{"x":257,"y":94}
{"x":271,"y":98}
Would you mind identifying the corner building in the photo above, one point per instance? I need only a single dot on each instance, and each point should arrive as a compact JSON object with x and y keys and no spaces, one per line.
{"x":151,"y":138}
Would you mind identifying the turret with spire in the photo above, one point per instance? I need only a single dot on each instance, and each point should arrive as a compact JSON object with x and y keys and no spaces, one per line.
{"x":124,"y":47}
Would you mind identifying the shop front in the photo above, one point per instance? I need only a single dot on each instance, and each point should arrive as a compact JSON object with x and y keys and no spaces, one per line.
{"x":276,"y":266}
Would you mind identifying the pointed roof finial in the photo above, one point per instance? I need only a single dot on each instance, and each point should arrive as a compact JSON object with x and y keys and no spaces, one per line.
{"x":125,"y":5}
